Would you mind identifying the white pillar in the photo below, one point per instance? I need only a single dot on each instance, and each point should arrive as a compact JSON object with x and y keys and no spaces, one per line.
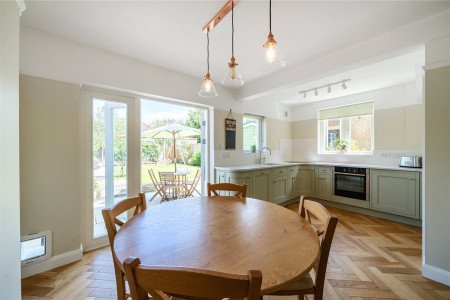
{"x":9,"y":151}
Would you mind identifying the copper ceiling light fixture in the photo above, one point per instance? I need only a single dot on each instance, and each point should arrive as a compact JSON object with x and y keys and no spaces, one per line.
{"x":232,"y":78}
{"x":272,"y":58}
{"x":207,"y":89}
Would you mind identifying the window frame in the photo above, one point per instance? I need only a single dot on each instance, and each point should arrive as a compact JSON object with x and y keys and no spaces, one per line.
{"x":321,"y":135}
{"x":261,"y":131}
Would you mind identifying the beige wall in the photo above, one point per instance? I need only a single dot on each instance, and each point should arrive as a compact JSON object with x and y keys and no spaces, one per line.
{"x":437,"y":166}
{"x":398,"y":128}
{"x":277,"y":130}
{"x":304,"y":129}
{"x":50,"y":160}
{"x":9,"y":151}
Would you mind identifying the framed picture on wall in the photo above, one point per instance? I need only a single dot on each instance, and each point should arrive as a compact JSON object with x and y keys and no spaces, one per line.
{"x":230,"y":134}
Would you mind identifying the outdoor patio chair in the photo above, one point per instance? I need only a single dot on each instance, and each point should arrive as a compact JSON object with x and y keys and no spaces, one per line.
{"x":156,"y":184}
{"x":168,"y":184}
{"x":192,"y":185}
{"x":182,"y":187}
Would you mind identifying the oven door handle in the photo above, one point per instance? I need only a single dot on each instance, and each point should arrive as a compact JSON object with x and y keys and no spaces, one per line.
{"x":350,"y":174}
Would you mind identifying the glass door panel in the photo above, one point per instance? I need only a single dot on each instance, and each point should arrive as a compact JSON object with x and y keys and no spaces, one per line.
{"x":110,"y":144}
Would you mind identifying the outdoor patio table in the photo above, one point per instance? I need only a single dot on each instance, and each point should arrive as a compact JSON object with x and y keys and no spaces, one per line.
{"x":225,"y":234}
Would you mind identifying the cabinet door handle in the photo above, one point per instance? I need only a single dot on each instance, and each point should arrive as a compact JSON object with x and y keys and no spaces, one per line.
{"x":412,"y":179}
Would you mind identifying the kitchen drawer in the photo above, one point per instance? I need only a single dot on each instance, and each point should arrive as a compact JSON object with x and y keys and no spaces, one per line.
{"x":292,"y":169}
{"x":278,"y":172}
{"x":325,"y":170}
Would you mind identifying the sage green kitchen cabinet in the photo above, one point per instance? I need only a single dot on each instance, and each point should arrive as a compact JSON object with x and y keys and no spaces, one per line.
{"x":240,"y":178}
{"x":324,"y":183}
{"x":279,"y":189}
{"x":261,"y":184}
{"x":395,"y":192}
{"x":306,"y":183}
{"x":293,"y":182}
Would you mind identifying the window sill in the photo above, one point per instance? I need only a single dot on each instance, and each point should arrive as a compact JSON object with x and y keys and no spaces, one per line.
{"x":345,"y":153}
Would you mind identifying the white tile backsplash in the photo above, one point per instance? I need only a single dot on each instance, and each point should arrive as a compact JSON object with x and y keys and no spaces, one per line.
{"x":305,"y":150}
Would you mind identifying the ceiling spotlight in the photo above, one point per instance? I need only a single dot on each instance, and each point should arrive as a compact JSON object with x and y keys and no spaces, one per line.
{"x":344,"y":86}
{"x":316,"y":92}
{"x":329,"y":89}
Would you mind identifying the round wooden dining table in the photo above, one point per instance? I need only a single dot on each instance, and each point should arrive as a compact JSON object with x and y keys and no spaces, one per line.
{"x":225,"y":234}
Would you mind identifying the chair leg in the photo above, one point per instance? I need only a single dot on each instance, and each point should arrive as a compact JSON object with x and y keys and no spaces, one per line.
{"x":120,"y":284}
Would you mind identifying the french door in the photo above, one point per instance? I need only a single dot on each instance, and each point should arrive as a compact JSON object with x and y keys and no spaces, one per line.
{"x":112,"y":157}
{"x":110,"y":154}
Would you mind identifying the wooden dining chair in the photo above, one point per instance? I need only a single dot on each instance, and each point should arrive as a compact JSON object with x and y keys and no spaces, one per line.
{"x":241,"y":190}
{"x":160,"y":282}
{"x":156,"y":184}
{"x":305,"y":285}
{"x":192,"y":185}
{"x":111,"y":222}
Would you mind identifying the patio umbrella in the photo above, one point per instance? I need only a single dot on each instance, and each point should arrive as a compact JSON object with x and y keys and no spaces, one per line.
{"x":173,"y":131}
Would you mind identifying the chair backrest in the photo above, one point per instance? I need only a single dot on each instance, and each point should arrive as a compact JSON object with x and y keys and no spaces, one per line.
{"x":189,"y":283}
{"x":329,"y":222}
{"x":153,"y":178}
{"x":241,"y":190}
{"x":110,"y":214}
{"x":167,"y":178}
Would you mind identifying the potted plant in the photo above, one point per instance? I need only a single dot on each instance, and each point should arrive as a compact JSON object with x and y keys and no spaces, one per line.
{"x":253,"y":149}
{"x":341,"y":145}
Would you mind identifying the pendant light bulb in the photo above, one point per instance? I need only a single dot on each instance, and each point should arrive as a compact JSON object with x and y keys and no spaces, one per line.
{"x":232,"y":78}
{"x":272,"y":58}
{"x":344,"y":86}
{"x":329,"y":89}
{"x":207,"y":90}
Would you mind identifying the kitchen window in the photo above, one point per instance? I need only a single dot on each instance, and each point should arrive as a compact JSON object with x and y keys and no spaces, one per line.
{"x":252,"y":132}
{"x":346,"y":129}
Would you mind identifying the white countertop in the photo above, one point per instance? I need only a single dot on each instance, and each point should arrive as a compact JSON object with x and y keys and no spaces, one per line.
{"x":317,"y":163}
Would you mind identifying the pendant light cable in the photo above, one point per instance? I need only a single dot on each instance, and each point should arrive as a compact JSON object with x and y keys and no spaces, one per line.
{"x":270,"y":15}
{"x":207,"y":50}
{"x":232,"y":28}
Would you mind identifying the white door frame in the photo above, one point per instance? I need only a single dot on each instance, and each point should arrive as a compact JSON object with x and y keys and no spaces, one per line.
{"x":133,"y":145}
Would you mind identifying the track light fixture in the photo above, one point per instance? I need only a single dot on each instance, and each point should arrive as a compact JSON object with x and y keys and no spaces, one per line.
{"x":343,"y":84}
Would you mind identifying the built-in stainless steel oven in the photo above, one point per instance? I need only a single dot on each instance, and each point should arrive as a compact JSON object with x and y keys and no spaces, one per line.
{"x":351,"y":182}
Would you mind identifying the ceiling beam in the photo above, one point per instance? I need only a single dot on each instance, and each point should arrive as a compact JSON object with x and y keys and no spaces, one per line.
{"x":220,"y":15}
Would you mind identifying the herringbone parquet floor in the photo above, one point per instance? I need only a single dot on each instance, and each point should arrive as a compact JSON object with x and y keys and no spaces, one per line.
{"x":371,"y":258}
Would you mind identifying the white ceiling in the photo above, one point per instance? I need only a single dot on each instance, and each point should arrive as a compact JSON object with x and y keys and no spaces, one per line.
{"x":389,"y":72}
{"x":168,"y":33}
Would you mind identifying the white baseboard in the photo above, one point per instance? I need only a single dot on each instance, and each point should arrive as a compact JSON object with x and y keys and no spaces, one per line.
{"x":436,"y":274}
{"x":53,"y":262}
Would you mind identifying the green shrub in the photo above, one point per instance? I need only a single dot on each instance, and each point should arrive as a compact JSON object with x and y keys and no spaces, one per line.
{"x":150,"y":151}
{"x":196,"y":159}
